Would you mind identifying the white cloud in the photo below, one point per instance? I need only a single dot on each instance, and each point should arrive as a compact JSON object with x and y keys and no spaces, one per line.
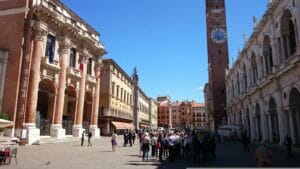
{"x":200,"y":88}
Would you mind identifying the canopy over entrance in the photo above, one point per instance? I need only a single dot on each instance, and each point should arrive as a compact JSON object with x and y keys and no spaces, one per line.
{"x":5,"y":123}
{"x":122,"y":125}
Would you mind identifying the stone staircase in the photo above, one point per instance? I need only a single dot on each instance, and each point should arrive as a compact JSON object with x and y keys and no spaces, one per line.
{"x":51,"y":140}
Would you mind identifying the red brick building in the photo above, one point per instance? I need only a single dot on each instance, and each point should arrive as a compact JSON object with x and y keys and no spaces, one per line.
{"x":217,"y":59}
{"x":50,"y":68}
{"x":186,"y":114}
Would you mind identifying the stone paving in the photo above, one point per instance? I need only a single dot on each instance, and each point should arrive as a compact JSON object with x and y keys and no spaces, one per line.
{"x":72,"y":156}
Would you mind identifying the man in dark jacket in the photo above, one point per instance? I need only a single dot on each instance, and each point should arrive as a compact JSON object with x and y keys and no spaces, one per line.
{"x":288,"y":144}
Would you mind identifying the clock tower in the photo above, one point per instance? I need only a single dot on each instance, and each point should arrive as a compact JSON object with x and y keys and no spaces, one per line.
{"x":217,"y":59}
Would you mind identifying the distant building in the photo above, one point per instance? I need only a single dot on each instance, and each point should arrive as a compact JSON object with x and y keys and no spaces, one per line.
{"x":153,"y":114}
{"x":143,"y":110}
{"x":199,"y":116}
{"x":163,"y":111}
{"x":118,"y":109}
{"x":186,"y":114}
{"x":116,"y":99}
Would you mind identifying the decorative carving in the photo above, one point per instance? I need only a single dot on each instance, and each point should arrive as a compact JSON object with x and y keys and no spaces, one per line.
{"x":98,"y":65}
{"x":83,"y":55}
{"x":64,"y":45}
{"x":40,"y":30}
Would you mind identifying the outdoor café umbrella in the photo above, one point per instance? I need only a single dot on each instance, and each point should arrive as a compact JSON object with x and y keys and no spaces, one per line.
{"x":5,"y":123}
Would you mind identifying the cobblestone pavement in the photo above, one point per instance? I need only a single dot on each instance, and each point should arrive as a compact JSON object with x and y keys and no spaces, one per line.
{"x":73,"y":156}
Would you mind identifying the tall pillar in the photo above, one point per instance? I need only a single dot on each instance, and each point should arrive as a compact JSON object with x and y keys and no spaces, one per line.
{"x":32,"y":133}
{"x":257,"y":128}
{"x":264,"y":124}
{"x":94,"y":125}
{"x":270,"y":122}
{"x":281,"y":118}
{"x":292,"y":125}
{"x":252,"y":125}
{"x":56,"y":128}
{"x":77,"y":127}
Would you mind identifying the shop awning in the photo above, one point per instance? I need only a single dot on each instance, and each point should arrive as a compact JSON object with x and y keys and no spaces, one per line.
{"x":5,"y":123}
{"x":144,"y":125}
{"x":122,"y":125}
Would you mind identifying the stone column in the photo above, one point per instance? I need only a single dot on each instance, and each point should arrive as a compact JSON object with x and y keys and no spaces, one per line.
{"x":281,"y":118}
{"x":94,"y":124}
{"x":292,"y":125}
{"x":270,"y":127}
{"x":3,"y":64}
{"x":77,"y":127}
{"x":264,"y":124}
{"x":32,"y":133}
{"x":56,"y":128}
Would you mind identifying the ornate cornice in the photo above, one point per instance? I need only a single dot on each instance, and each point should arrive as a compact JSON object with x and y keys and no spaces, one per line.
{"x":40,"y":30}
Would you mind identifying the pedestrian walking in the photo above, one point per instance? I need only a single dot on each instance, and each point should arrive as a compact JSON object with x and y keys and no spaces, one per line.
{"x":245,"y":141}
{"x":159,"y":146}
{"x":288,"y":144}
{"x":133,"y":137}
{"x":263,"y":156}
{"x":130,"y":138}
{"x":82,"y":138}
{"x":125,"y":135}
{"x":146,"y":147}
{"x":114,"y":141}
{"x":89,"y":139}
{"x":153,"y":145}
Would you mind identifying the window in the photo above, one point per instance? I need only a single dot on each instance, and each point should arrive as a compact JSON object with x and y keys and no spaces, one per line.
{"x":113,"y":88}
{"x":288,"y":33}
{"x":72,"y":60}
{"x":121,"y":94}
{"x":118,"y":91}
{"x":254,"y":69}
{"x":89,"y":66}
{"x":50,"y":48}
{"x":245,"y":78}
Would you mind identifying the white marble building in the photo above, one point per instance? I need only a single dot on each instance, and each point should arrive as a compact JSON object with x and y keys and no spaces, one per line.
{"x":263,"y":85}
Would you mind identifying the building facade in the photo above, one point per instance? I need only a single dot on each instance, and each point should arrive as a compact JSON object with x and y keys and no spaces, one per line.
{"x":263,"y":85}
{"x":199,"y":116}
{"x":144,"y":110}
{"x":217,"y":59}
{"x":50,"y":59}
{"x":153,"y":114}
{"x":116,"y":99}
{"x":185,"y":114}
{"x":164,"y":112}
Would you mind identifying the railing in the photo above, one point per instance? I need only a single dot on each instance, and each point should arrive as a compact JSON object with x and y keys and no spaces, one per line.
{"x":54,"y":65}
{"x":91,"y":79}
{"x":73,"y":72}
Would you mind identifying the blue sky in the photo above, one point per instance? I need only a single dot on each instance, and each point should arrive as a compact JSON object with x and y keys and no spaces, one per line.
{"x":165,"y":39}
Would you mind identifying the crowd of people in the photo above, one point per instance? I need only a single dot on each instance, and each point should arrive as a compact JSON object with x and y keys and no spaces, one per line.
{"x":191,"y":146}
{"x":185,"y":145}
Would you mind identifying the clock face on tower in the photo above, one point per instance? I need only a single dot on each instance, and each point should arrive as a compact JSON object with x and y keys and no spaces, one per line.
{"x":218,"y":35}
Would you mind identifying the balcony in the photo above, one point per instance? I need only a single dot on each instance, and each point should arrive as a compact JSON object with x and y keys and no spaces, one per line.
{"x":73,"y":72}
{"x":52,"y":66}
{"x":91,"y":79}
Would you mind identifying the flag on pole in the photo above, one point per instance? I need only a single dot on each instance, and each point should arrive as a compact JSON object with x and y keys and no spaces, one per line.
{"x":81,"y":65}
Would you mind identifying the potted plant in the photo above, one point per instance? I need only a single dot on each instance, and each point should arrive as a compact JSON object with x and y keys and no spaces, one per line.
{"x":5,"y":117}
